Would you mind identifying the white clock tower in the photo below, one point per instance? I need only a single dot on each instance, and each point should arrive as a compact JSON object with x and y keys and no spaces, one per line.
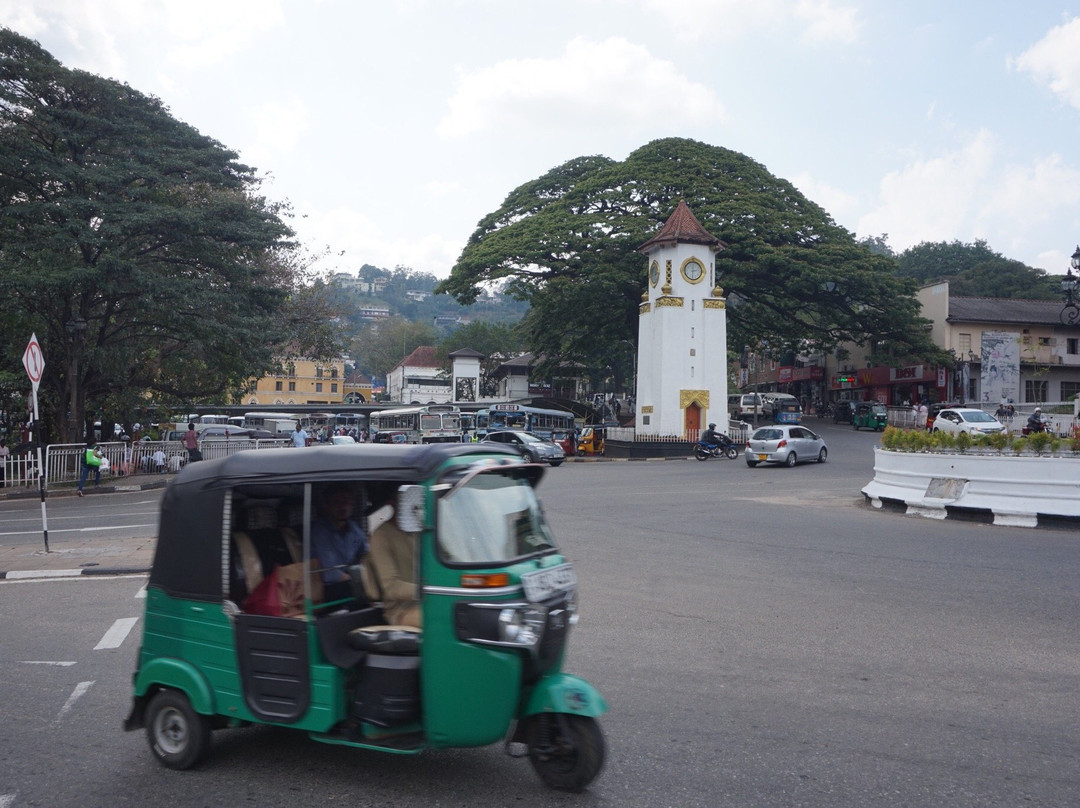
{"x":682,"y":332}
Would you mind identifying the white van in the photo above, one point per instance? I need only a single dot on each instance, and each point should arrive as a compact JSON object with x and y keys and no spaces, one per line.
{"x":769,"y":398}
{"x":742,"y":406}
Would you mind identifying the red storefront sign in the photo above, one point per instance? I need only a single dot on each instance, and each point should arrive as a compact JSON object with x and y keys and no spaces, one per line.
{"x":794,"y":374}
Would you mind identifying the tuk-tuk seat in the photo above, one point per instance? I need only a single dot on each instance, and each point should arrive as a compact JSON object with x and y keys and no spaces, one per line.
{"x":333,"y":630}
{"x":389,"y":640}
{"x":256,"y":553}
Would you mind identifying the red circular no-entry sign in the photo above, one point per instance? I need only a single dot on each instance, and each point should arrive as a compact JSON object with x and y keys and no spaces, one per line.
{"x":33,"y":360}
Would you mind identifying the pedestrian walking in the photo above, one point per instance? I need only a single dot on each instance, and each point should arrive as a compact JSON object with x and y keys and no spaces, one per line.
{"x":191,"y":443}
{"x":299,"y":436}
{"x":92,"y":459}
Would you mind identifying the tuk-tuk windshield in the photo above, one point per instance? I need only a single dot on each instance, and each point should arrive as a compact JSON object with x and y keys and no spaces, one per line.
{"x":491,"y":518}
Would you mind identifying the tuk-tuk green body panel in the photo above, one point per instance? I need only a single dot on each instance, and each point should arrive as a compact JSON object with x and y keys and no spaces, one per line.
{"x":203,"y":636}
{"x":564,"y":693}
{"x":179,"y":675}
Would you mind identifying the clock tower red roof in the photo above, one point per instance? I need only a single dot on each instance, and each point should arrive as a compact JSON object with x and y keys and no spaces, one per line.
{"x":682,"y":227}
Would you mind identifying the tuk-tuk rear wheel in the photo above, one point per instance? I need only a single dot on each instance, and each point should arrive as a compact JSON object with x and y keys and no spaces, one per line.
{"x":179,"y":737}
{"x":566,"y":751}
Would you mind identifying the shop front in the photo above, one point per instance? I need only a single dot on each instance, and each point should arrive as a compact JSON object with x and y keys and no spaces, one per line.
{"x":889,"y":385}
{"x":805,"y":383}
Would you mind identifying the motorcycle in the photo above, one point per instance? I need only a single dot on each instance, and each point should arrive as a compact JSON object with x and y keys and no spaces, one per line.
{"x":726,"y":448}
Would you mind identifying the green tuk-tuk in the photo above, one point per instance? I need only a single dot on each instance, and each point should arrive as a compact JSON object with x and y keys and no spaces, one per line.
{"x":496,"y":600}
{"x":870,"y":415}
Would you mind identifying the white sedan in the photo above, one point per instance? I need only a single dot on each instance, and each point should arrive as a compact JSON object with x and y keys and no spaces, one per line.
{"x":964,"y":419}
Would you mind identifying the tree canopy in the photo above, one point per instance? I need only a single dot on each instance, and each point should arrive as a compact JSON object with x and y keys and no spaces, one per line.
{"x":138,"y":249}
{"x":567,"y":241}
{"x":975,"y":270}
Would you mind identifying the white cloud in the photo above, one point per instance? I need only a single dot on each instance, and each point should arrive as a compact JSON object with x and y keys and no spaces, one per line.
{"x":932,"y":199}
{"x":820,"y":21}
{"x":827,"y":22}
{"x":200,"y":32}
{"x":358,"y":239}
{"x":837,"y":203}
{"x":973,"y":193}
{"x":278,"y":125}
{"x":1055,"y":61}
{"x":604,"y":85}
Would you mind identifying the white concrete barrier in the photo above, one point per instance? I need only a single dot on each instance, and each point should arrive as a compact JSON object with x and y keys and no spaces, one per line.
{"x":1015,"y":489}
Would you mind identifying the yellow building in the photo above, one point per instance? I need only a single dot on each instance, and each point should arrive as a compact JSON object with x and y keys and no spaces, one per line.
{"x":304,"y":381}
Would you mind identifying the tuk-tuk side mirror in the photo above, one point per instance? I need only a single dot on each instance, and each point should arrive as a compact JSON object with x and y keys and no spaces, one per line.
{"x":410,"y":508}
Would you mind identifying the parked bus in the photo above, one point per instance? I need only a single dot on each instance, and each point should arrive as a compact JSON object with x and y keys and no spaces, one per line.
{"x":542,"y":423}
{"x":432,"y":423}
{"x":351,"y":421}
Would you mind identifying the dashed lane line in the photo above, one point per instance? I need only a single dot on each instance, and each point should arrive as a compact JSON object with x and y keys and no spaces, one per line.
{"x":76,"y":694}
{"x":117,"y":633}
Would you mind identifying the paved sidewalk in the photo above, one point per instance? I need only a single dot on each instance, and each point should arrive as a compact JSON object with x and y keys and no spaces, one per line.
{"x":94,"y":555}
{"x":89,"y":556}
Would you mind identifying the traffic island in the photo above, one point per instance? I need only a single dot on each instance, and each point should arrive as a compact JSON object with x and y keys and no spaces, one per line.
{"x":1020,"y":490}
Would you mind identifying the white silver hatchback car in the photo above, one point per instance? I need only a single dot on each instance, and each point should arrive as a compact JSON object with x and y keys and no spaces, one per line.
{"x":967,"y":419}
{"x":785,"y":443}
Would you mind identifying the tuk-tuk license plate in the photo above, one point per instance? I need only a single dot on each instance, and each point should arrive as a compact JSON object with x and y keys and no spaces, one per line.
{"x":542,"y":584}
{"x":762,"y":457}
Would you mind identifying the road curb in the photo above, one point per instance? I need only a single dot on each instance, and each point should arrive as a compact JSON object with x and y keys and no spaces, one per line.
{"x":30,"y":575}
{"x":97,"y":490}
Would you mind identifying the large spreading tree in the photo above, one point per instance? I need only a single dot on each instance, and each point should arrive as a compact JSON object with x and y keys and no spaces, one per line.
{"x":794,"y":279}
{"x":139,"y":250}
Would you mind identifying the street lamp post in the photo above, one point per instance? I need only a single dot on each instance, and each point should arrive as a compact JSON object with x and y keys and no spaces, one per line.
{"x":1070,"y":313}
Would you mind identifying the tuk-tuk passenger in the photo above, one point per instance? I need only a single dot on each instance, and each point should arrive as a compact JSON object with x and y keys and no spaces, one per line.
{"x":338,"y":541}
{"x":392,"y":563}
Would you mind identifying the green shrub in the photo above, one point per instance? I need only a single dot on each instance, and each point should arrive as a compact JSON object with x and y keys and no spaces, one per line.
{"x":999,"y":440}
{"x":892,"y":438}
{"x":1074,"y":441}
{"x":1039,"y":441}
{"x":942,"y":440}
{"x":962,"y":440}
{"x":1019,"y":444}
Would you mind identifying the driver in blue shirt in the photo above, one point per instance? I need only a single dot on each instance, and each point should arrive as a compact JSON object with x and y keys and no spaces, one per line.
{"x":337,"y":540}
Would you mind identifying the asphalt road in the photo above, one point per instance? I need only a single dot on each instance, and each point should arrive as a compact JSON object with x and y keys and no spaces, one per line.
{"x":763,"y":638}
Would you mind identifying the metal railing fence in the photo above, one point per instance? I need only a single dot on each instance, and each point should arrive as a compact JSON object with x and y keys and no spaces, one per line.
{"x":64,"y":461}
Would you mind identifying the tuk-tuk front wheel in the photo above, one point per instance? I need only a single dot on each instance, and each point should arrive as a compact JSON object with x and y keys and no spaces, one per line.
{"x":567,"y":751}
{"x":179,"y":737}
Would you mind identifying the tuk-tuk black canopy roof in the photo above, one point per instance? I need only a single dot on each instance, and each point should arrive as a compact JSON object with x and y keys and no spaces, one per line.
{"x":189,"y":555}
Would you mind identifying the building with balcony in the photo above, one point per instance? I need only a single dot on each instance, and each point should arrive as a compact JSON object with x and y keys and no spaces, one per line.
{"x":301,"y":381}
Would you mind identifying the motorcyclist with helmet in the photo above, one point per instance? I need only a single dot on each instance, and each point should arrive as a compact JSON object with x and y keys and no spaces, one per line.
{"x":711,"y":436}
{"x":1035,"y":421}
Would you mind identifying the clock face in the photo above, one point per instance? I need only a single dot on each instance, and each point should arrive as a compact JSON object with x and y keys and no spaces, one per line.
{"x":654,"y":273}
{"x":693,"y":271}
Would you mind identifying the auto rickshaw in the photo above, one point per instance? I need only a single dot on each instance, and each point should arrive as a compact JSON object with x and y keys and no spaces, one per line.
{"x":785,"y":411}
{"x":870,"y":415}
{"x":496,"y":596}
{"x":591,"y":441}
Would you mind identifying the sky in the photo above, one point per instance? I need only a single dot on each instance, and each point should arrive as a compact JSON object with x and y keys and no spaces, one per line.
{"x":393,"y":127}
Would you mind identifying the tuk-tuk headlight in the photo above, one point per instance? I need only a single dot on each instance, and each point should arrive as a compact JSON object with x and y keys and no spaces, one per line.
{"x":522,"y":626}
{"x":507,"y":625}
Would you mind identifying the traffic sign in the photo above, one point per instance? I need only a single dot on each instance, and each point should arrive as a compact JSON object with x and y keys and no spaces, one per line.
{"x":33,"y":360}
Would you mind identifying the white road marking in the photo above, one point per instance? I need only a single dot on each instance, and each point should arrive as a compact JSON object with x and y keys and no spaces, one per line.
{"x":15,"y":575}
{"x":45,"y":662}
{"x":76,"y":694}
{"x":117,"y":633}
{"x":141,"y":594}
{"x":54,"y":531}
{"x":7,"y":800}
